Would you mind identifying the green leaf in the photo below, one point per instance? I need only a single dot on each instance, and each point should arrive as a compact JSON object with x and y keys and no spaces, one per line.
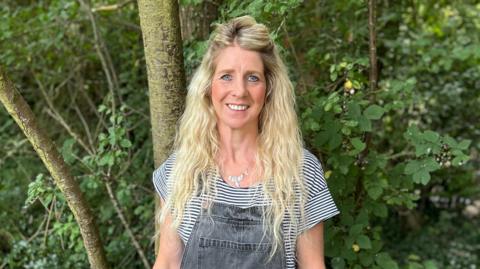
{"x":380,"y":210}
{"x":328,"y":106}
{"x":431,"y":136}
{"x":356,"y":229}
{"x":354,"y":111}
{"x":411,"y":167}
{"x":106,"y":159}
{"x":351,"y":123}
{"x":364,"y":242}
{"x":450,"y":141}
{"x":374,"y":112}
{"x":337,"y":109}
{"x":464,"y":144}
{"x":102,"y":108}
{"x":430,"y":264}
{"x":413,"y":134}
{"x":338,"y":263}
{"x":421,"y":176}
{"x":125,"y":143}
{"x":460,"y":159}
{"x":333,"y":76}
{"x":422,"y":149}
{"x":102,"y":136}
{"x":362,"y":217}
{"x":414,"y":265}
{"x":385,"y":261}
{"x":374,"y":191}
{"x":67,"y":150}
{"x":356,"y":85}
{"x":332,"y":68}
{"x":335,"y":141}
{"x":365,"y":124}
{"x":346,"y":219}
{"x":366,"y":259}
{"x":430,"y":165}
{"x":358,"y":143}
{"x":346,"y":131}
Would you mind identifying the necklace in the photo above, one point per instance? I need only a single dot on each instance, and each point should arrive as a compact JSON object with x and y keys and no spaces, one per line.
{"x":238,"y":179}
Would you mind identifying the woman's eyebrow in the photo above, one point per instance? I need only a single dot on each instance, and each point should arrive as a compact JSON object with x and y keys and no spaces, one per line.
{"x":224,"y":71}
{"x":232,"y":71}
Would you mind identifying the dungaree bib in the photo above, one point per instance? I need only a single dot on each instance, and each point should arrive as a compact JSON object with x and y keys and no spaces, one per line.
{"x":230,"y":237}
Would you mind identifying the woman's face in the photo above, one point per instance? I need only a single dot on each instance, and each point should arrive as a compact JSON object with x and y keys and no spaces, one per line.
{"x":238,"y":88}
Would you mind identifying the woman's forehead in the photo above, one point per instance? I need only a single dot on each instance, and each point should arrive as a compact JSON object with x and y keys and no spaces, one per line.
{"x":236,"y":58}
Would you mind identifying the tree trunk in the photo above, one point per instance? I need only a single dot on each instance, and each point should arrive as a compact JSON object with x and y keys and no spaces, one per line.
{"x":196,"y":19}
{"x":162,"y":41}
{"x":23,"y":115}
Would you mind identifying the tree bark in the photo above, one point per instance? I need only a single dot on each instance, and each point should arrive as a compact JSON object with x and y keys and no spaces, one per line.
{"x":162,"y":42}
{"x":196,"y":20}
{"x":45,"y":148}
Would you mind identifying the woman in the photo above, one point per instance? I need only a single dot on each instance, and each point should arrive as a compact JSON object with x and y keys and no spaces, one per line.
{"x":240,"y":191}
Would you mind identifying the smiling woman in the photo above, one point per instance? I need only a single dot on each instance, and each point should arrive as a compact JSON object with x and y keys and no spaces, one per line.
{"x":239,"y":190}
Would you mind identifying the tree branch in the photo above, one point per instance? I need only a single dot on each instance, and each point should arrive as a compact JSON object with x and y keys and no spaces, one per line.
{"x":58,"y":117}
{"x":372,"y":18}
{"x":373,"y":78}
{"x":64,"y":124}
{"x":37,"y":232}
{"x":50,"y":210}
{"x":112,"y":7}
{"x":295,"y":56}
{"x":122,"y":218}
{"x":46,"y":150}
{"x":103,"y":54}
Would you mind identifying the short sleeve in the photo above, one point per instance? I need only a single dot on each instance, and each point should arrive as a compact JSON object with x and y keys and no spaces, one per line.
{"x":319,"y":205}
{"x":161,"y":177}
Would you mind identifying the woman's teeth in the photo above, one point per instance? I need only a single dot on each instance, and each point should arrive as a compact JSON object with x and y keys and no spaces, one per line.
{"x":237,"y":107}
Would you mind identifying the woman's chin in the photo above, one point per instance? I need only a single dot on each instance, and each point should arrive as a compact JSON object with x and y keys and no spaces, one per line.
{"x":236,"y":125}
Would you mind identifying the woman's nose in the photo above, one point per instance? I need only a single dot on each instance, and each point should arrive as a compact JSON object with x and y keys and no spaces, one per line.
{"x":240,"y":89}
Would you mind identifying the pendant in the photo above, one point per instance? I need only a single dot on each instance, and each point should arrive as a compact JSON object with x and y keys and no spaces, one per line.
{"x":237,"y":179}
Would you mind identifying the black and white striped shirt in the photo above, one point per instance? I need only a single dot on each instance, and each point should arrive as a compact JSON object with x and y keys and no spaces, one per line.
{"x":319,"y":206}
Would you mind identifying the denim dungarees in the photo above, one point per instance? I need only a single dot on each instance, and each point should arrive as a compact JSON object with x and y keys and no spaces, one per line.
{"x":230,"y":237}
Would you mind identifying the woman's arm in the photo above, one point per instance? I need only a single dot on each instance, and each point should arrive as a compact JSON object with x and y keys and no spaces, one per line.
{"x":310,"y":248}
{"x":171,"y":247}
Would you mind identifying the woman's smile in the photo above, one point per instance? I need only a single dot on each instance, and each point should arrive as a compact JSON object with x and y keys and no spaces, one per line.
{"x":235,"y":107}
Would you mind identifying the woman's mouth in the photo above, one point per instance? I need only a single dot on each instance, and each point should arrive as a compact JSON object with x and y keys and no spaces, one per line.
{"x":237,"y":107}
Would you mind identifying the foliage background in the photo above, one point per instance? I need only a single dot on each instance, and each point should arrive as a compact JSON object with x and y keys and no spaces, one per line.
{"x":402,"y":162}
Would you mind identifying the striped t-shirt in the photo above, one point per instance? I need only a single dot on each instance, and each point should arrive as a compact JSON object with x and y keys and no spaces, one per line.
{"x":319,"y":205}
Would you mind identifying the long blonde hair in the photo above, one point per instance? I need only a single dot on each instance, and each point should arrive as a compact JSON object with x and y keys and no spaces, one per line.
{"x":280,"y":149}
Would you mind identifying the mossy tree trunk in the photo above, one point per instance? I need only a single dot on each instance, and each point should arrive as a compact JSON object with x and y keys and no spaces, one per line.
{"x":162,"y":40}
{"x":46,"y":150}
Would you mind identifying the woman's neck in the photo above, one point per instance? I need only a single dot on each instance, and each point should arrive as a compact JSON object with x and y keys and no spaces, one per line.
{"x":236,"y":156}
{"x":237,"y":145}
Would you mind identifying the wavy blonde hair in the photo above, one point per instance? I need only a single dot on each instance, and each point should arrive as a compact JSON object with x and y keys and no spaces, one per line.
{"x":279,"y":143}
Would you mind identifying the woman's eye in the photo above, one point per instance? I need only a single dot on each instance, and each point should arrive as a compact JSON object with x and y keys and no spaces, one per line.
{"x":253,"y":78}
{"x":226,"y":77}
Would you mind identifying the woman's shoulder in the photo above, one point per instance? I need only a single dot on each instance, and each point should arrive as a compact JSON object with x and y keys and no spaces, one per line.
{"x":161,"y":176}
{"x":166,"y":166}
{"x":312,"y":170}
{"x":310,"y":161}
{"x":319,"y":205}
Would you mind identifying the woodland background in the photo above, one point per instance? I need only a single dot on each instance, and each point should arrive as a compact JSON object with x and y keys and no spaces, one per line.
{"x":401,"y":158}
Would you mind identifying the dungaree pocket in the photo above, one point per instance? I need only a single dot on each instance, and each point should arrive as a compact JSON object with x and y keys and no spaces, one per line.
{"x":226,"y":254}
